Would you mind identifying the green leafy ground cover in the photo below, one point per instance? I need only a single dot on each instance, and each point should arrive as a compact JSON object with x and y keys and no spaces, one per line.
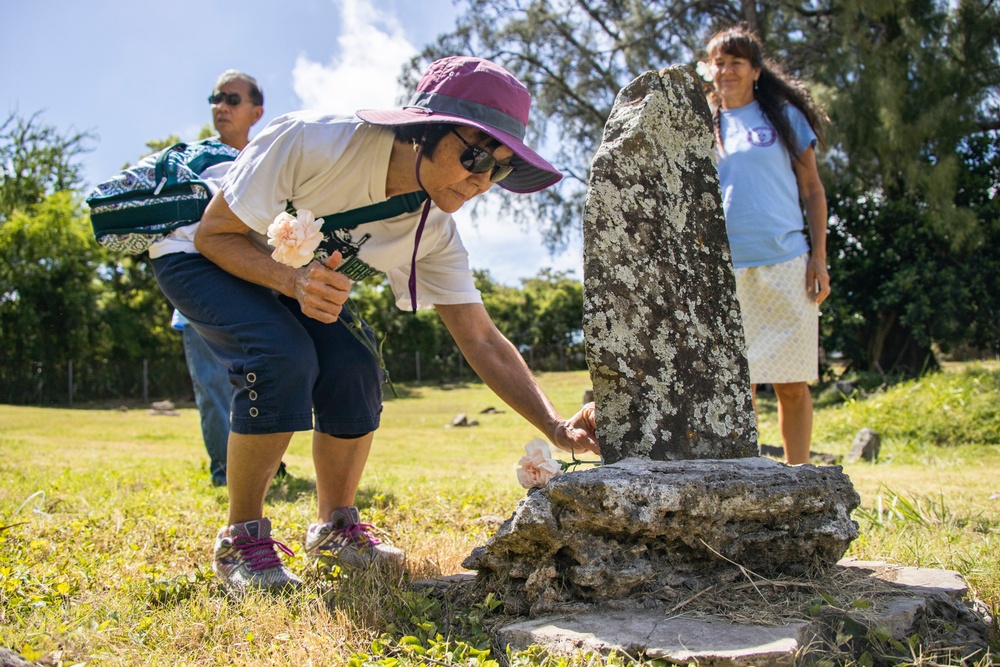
{"x":107,"y":519}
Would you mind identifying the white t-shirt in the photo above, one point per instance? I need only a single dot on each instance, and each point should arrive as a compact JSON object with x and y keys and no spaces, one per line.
{"x":328,"y":164}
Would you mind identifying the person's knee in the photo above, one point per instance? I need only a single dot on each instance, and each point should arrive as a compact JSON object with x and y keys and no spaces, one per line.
{"x":793,"y":393}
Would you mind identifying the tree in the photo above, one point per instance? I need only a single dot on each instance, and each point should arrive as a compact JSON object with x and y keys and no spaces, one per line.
{"x":912,"y":85}
{"x":558,"y":320}
{"x":575,"y":55}
{"x":905,"y":85}
{"x":62,"y":300}
{"x":48,"y":298}
{"x":36,"y":160}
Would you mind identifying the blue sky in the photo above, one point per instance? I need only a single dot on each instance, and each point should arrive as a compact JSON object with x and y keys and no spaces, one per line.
{"x":130,"y":72}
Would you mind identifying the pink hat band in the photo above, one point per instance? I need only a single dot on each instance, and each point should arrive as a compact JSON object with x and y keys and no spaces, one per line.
{"x":476,"y":93}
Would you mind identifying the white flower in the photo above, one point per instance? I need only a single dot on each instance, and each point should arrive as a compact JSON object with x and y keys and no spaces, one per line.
{"x":704,"y":70}
{"x":537,"y":466}
{"x":295,"y":239}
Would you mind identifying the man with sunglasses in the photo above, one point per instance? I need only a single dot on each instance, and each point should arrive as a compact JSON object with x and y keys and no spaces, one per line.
{"x":282,"y":329}
{"x":237,"y":104}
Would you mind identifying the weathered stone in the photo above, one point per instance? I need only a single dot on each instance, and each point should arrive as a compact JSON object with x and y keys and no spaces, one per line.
{"x":461,"y":420}
{"x":923,"y":604}
{"x":637,"y":526}
{"x":866,"y":446}
{"x":663,"y":330}
{"x":163,"y":408}
{"x":9,"y":658}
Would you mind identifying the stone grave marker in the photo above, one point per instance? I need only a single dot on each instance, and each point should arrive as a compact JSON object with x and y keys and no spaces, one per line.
{"x":662,"y":326}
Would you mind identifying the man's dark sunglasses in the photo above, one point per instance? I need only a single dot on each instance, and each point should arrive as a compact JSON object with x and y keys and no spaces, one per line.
{"x":232,"y":99}
{"x":478,"y":160}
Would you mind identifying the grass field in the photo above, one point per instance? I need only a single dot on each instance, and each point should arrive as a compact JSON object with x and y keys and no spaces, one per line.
{"x":107,"y":519}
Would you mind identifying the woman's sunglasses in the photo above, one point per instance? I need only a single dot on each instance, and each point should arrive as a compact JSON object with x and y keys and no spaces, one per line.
{"x":232,"y":99}
{"x":478,"y":160}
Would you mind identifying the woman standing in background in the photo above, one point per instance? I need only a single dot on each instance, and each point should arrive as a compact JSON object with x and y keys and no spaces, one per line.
{"x":766,"y":129}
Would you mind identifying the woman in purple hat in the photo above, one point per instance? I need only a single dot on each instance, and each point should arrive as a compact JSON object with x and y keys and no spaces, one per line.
{"x":278,"y":324}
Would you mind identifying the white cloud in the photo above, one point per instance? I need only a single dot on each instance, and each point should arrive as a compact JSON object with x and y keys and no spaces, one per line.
{"x":372,"y":49}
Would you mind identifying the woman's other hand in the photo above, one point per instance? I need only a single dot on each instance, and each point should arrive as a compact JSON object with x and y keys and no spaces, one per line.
{"x":817,"y":280}
{"x":321,"y":290}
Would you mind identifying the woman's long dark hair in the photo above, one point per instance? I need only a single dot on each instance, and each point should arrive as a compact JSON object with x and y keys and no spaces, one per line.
{"x":772,"y":91}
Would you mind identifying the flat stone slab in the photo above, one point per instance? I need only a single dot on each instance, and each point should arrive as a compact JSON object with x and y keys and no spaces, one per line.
{"x":654,"y":633}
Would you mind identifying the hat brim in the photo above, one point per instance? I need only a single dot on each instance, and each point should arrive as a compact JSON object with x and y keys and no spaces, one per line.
{"x":531,"y":172}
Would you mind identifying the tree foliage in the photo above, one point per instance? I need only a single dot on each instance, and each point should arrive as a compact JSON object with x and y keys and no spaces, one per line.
{"x":906,"y":84}
{"x":36,"y":160}
{"x":64,"y":299}
{"x":575,"y":55}
{"x":910,"y":93}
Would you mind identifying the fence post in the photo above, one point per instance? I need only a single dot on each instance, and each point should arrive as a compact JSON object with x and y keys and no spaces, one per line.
{"x":70,"y":383}
{"x":145,"y":381}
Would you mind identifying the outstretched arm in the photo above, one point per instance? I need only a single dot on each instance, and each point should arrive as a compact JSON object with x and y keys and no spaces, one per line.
{"x":498,"y":363}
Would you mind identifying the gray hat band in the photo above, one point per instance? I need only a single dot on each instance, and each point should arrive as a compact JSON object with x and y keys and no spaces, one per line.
{"x":474,"y":111}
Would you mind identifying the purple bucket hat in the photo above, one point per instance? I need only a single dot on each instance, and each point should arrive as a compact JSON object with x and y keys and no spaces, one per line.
{"x":476,"y":93}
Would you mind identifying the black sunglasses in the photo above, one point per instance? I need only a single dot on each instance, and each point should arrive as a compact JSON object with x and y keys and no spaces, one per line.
{"x":232,"y":99}
{"x":478,"y":160}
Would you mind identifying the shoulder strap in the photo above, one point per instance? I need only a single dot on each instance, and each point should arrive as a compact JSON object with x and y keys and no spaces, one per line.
{"x":160,"y":168}
{"x":389,"y":208}
{"x":208,"y":153}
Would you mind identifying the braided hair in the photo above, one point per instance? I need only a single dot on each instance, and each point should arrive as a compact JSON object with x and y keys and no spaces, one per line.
{"x":772,"y":90}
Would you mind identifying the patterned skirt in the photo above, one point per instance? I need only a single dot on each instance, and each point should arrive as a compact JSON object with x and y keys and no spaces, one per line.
{"x":780,"y":321}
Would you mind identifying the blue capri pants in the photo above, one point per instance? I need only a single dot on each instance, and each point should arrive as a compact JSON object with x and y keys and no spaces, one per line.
{"x":286,"y":368}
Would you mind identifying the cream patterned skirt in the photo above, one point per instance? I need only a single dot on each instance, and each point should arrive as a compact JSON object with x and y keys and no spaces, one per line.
{"x":780,"y":321}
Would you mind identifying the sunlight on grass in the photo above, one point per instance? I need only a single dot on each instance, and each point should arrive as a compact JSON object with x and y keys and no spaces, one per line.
{"x":107,"y":519}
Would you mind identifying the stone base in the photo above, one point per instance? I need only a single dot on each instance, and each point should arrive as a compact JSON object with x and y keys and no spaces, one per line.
{"x":928,"y":605}
{"x":649,"y":529}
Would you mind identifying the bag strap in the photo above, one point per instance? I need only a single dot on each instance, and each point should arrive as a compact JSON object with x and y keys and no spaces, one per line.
{"x":160,"y":170}
{"x":389,"y":208}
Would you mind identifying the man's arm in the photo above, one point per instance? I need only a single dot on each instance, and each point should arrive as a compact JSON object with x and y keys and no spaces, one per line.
{"x":498,"y":363}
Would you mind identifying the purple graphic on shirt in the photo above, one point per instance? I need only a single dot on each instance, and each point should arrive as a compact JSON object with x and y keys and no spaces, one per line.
{"x":762,"y":136}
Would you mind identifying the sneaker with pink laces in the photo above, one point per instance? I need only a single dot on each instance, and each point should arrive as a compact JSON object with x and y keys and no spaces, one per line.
{"x":345,"y":541}
{"x":247,"y":558}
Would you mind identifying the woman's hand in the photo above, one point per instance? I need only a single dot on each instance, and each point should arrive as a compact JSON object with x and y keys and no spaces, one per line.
{"x":321,"y":290}
{"x":817,"y":280}
{"x":578,"y":434}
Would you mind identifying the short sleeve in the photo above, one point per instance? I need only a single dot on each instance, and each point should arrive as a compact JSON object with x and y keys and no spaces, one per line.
{"x":805,"y":137}
{"x":260,"y":182}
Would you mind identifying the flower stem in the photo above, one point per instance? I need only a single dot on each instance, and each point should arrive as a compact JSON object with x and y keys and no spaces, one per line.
{"x":358,"y":331}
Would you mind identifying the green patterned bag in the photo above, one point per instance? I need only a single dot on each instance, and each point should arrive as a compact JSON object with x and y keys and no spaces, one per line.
{"x":140,"y":205}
